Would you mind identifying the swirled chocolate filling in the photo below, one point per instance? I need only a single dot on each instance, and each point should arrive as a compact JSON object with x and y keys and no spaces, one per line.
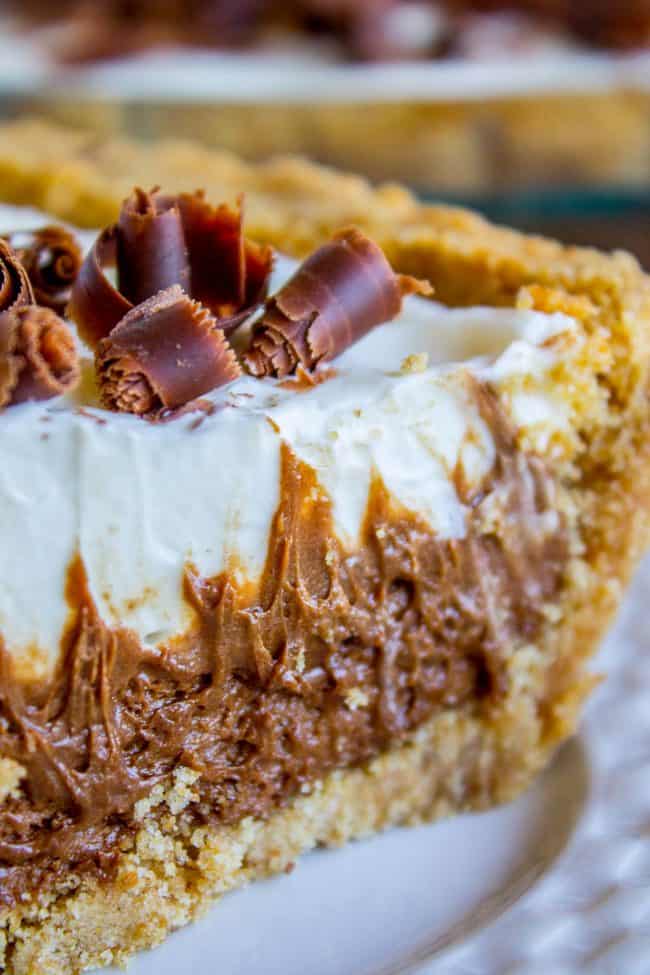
{"x":333,"y":657}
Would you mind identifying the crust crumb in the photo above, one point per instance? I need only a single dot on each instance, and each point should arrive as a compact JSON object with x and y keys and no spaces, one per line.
{"x":356,"y":698}
{"x":11,"y":775}
{"x":414,"y":363}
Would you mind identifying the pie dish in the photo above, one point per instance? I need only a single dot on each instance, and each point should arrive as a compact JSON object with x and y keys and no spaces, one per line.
{"x":322,"y":605}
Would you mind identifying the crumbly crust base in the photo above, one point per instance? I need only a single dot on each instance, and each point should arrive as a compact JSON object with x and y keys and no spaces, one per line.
{"x":459,"y":760}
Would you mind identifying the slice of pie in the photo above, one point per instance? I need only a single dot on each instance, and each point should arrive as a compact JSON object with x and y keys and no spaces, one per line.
{"x":288,"y":558}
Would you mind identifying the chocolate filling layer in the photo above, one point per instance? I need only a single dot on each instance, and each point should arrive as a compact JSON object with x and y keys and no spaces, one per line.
{"x":333,"y":658}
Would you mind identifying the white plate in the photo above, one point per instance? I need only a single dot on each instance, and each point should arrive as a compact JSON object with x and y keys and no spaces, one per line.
{"x":556,"y":883}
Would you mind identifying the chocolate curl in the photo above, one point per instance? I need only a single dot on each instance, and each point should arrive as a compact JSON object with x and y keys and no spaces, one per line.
{"x":335,"y":297}
{"x":167,"y":351}
{"x":96,"y":305}
{"x":51,"y":257}
{"x":161,"y":241}
{"x":15,"y":287}
{"x":229,"y":273}
{"x":151,"y":248}
{"x":147,"y":247}
{"x":38,"y":358}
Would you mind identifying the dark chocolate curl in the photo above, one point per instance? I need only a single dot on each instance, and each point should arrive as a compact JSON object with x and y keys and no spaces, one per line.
{"x":15,"y":287}
{"x":335,"y":297}
{"x":229,"y":274}
{"x":96,"y":306}
{"x":52,"y":258}
{"x":151,"y":248}
{"x":167,"y":351}
{"x":161,"y":241}
{"x":38,"y":358}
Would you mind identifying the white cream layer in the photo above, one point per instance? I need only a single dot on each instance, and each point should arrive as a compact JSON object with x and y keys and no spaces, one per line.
{"x":139,"y":501}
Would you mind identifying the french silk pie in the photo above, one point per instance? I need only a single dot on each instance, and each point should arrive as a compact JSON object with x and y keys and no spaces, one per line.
{"x":313,"y":506}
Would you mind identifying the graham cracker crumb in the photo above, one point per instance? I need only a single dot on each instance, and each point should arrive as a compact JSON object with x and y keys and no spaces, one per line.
{"x":356,"y":698}
{"x":414,"y":363}
{"x":11,"y":775}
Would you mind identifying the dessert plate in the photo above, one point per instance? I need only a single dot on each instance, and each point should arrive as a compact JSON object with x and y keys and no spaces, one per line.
{"x":556,"y":882}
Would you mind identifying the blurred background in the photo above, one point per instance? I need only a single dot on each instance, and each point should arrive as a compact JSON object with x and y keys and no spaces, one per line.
{"x":535,"y":111}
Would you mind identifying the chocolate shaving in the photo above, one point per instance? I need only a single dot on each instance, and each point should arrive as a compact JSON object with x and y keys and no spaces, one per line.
{"x":160,"y":241}
{"x":15,"y":286}
{"x":51,"y":258}
{"x":229,"y":273}
{"x":164,"y":353}
{"x":96,"y":305}
{"x":202,"y":407}
{"x":335,"y":297}
{"x":151,"y":248}
{"x":38,"y":358}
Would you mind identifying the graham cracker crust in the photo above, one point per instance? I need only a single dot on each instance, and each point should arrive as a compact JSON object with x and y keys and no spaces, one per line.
{"x":464,"y":144}
{"x":463,"y":759}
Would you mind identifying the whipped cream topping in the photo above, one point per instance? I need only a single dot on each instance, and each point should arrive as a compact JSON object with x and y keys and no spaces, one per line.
{"x":139,"y":501}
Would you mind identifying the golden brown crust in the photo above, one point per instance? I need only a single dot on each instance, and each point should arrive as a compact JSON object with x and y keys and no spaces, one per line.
{"x":456,"y":761}
{"x":462,"y":144}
